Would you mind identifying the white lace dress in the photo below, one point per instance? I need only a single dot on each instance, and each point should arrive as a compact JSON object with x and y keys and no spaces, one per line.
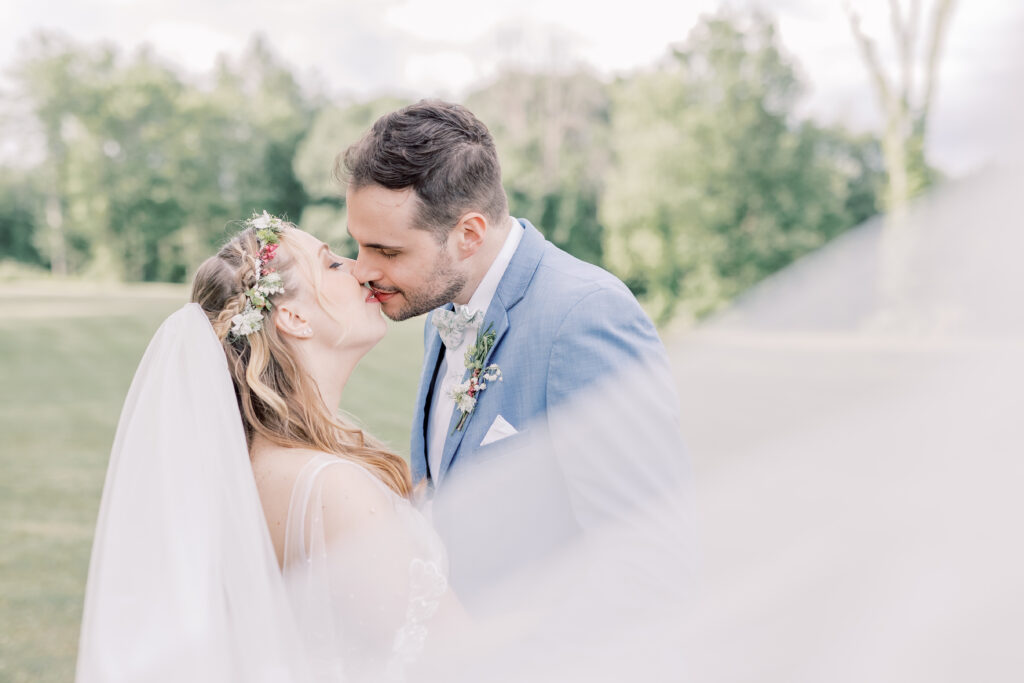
{"x":365,"y":572}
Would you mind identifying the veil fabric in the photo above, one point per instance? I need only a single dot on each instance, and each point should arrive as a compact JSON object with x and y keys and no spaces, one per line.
{"x":858,"y":492}
{"x":183,"y":581}
{"x":365,"y":572}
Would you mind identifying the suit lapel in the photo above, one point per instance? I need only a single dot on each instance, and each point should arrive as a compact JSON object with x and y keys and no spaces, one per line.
{"x":428,"y":376}
{"x":497,"y":316}
{"x":510,"y":291}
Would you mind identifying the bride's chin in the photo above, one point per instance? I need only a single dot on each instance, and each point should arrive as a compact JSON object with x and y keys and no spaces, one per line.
{"x":375,"y":331}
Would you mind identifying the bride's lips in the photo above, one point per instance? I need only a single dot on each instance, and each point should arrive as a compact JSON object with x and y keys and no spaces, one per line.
{"x":377,"y":295}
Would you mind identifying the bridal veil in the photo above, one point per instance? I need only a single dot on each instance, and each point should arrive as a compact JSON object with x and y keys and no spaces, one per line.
{"x":183,"y":582}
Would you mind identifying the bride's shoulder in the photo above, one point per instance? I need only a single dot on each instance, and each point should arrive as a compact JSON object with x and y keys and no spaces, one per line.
{"x":343,"y":489}
{"x":346,"y":477}
{"x":304,"y":472}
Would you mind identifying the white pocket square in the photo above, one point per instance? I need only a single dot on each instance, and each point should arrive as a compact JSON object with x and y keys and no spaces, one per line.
{"x":499,"y":429}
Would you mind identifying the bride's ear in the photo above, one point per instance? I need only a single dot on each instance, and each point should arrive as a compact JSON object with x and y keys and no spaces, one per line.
{"x":290,"y":322}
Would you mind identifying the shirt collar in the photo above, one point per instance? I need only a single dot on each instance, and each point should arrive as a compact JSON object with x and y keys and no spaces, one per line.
{"x":481,"y":299}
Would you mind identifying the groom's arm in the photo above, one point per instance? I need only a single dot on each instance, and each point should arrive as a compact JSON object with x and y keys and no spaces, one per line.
{"x":613,"y":413}
{"x":605,"y":333}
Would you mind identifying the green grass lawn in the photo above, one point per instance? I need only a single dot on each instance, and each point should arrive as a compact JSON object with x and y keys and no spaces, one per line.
{"x":67,"y":356}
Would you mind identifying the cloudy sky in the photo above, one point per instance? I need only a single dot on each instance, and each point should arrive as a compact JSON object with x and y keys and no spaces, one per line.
{"x":442,"y":47}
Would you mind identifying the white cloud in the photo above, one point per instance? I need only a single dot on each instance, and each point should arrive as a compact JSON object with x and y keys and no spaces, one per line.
{"x":441,"y":72}
{"x":448,"y":22}
{"x":431,"y":47}
{"x":192,"y":45}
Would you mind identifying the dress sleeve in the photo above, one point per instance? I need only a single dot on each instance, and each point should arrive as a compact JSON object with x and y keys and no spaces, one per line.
{"x":365,"y":570}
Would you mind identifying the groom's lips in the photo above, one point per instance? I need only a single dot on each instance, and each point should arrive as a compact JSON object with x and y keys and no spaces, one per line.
{"x":378,"y":295}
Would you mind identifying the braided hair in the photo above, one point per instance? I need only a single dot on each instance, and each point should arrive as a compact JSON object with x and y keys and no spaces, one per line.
{"x":277,"y":397}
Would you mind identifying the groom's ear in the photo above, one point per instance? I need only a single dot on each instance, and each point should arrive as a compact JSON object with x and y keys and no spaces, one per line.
{"x":289,"y":321}
{"x":469,"y":233}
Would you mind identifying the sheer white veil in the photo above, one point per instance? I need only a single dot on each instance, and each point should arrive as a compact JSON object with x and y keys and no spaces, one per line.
{"x":859,"y":459}
{"x":183,"y":582}
{"x":857,"y":490}
{"x":857,"y":473}
{"x":576,"y":539}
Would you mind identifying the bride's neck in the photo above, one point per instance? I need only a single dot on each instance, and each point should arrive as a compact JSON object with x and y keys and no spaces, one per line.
{"x":330,"y":373}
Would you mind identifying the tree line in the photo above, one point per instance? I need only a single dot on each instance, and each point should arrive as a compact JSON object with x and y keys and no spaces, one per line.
{"x":690,"y":179}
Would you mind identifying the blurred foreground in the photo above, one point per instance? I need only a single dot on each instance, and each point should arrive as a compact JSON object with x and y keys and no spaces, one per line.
{"x":858,"y":452}
{"x":854,"y":432}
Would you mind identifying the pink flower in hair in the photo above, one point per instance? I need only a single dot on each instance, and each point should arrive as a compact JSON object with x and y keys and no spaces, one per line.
{"x":267,"y":252}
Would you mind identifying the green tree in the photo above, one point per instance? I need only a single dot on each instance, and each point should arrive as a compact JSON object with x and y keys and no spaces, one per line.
{"x":19,"y":203}
{"x":121,"y":171}
{"x":270,"y":118}
{"x":333,"y":130}
{"x":715,"y":183}
{"x":49,"y":79}
{"x":144,"y":170}
{"x":906,"y":105}
{"x":551,"y":131}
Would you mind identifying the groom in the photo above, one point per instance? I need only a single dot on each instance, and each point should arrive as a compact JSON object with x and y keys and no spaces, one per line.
{"x":427,"y":208}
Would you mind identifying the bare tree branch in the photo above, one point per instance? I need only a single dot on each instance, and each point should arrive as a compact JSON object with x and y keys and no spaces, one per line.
{"x":870,"y":55}
{"x":914,"y":18}
{"x":940,"y":21}
{"x":902,"y":34}
{"x":913,"y":25}
{"x":896,"y":18}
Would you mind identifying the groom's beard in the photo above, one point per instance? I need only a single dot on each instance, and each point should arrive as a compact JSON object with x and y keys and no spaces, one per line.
{"x":443,"y":285}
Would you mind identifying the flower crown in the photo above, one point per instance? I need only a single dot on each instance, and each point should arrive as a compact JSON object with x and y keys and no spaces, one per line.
{"x":257,"y":298}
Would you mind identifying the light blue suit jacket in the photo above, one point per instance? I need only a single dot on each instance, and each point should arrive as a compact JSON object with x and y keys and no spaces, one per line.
{"x":561,"y":324}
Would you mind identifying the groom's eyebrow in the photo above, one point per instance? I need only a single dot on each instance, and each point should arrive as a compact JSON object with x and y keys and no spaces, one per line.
{"x":373,"y":245}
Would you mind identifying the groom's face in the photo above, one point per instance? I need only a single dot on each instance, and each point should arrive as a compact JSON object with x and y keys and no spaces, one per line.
{"x":404,"y":264}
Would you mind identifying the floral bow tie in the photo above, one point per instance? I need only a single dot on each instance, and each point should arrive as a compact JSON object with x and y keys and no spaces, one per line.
{"x":452,"y":325}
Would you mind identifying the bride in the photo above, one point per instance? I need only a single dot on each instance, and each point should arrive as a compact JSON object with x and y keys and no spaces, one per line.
{"x":179,"y":585}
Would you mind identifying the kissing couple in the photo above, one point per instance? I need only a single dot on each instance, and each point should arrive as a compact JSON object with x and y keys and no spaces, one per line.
{"x":250,"y":532}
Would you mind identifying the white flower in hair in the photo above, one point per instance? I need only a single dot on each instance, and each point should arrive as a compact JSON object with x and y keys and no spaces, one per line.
{"x":262,"y":222}
{"x":248,"y":321}
{"x":268,"y":234}
{"x":271,"y":283}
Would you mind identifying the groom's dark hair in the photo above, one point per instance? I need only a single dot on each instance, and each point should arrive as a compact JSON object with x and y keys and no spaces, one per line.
{"x":441,"y":151}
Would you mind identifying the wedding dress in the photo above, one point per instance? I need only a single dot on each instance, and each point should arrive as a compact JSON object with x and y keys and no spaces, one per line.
{"x":364,"y":601}
{"x":183,"y":582}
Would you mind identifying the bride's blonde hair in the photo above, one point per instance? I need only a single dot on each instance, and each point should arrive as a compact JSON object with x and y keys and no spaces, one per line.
{"x":278,"y":399}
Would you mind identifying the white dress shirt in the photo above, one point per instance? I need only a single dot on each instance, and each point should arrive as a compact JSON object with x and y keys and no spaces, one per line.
{"x":453,"y":366}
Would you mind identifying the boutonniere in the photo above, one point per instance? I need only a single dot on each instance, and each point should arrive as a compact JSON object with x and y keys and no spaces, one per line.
{"x":465,"y":395}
